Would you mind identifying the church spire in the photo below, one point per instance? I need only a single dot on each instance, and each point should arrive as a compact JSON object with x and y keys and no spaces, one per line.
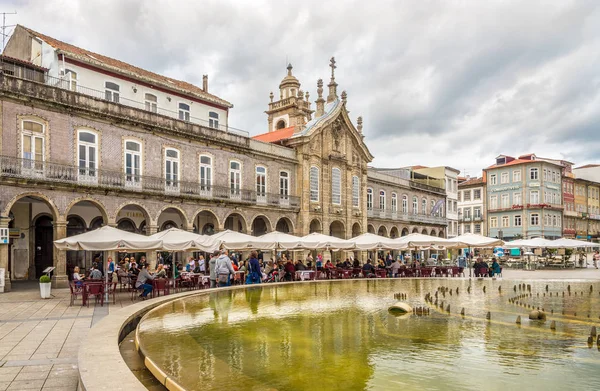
{"x":332,"y":84}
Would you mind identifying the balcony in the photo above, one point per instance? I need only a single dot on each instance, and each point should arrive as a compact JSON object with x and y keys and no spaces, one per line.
{"x":48,"y":172}
{"x":405,"y":217}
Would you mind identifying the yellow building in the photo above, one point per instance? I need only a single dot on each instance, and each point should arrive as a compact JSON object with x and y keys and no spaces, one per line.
{"x":593,"y":207}
{"x":581,"y":207}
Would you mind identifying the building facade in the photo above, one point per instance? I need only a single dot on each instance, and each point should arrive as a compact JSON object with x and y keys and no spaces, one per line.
{"x":449,"y":176}
{"x":83,"y":144}
{"x":524,"y":198}
{"x":471,"y":207}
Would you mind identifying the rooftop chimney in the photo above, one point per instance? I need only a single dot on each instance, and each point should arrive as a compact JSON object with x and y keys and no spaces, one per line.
{"x":205,"y":83}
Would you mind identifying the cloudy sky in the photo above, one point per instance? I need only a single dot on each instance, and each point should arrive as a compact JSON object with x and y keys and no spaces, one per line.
{"x":438,"y":82}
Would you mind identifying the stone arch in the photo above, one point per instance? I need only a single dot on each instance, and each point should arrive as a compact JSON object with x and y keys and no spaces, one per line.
{"x":205,"y":222}
{"x":356,"y":230}
{"x":404,"y":231}
{"x":315,"y":226}
{"x":178,"y":210}
{"x":415,"y":230}
{"x":432,"y":232}
{"x":441,"y":234}
{"x":337,"y":229}
{"x":126,"y":224}
{"x":35,"y":195}
{"x":284,"y":225}
{"x":75,"y":225}
{"x":98,"y":204}
{"x":394,"y":232}
{"x":228,"y":222}
{"x":424,"y":231}
{"x":260,"y":227}
{"x":382,"y":231}
{"x":168,"y":224}
{"x":97,"y":222}
{"x":370,"y":229}
{"x":280,"y":124}
{"x":140,"y":206}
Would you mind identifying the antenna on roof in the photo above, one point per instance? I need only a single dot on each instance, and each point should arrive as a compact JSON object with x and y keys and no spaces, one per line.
{"x":4,"y":27}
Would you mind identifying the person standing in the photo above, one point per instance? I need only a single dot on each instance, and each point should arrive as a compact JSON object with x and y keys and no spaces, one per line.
{"x":211,"y":269}
{"x":224,"y":269}
{"x":596,"y":258}
{"x":142,"y":281}
{"x":254,"y":269}
{"x":110,"y":268}
{"x":202,"y":264}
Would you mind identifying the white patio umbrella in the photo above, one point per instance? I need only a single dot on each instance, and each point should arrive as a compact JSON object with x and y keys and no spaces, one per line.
{"x":317,"y":241}
{"x":239,"y":241}
{"x":175,"y":239}
{"x":420,"y":240}
{"x":282,"y":241}
{"x":572,"y":243}
{"x":472,"y":240}
{"x":369,"y":241}
{"x":531,"y":243}
{"x":107,"y":239}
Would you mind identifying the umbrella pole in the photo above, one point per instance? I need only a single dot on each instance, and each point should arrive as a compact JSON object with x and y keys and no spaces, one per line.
{"x":470,"y":269}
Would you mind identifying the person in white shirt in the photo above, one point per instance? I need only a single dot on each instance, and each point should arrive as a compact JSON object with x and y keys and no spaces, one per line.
{"x":78,"y":278}
{"x":202,"y":264}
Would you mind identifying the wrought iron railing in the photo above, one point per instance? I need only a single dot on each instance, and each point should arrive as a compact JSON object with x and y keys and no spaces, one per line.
{"x":408,"y":217}
{"x":11,"y":167}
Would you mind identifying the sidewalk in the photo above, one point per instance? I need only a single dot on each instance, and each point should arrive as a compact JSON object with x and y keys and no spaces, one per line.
{"x":39,"y":339}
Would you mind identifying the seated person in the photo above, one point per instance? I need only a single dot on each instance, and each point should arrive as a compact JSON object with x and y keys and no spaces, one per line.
{"x":78,"y":278}
{"x":300,"y":265}
{"x":339,"y":264}
{"x":95,"y":273}
{"x":356,"y":263}
{"x":160,"y":271}
{"x":496,"y":269}
{"x":347,"y":264}
{"x":290,"y":270}
{"x":381,"y":264}
{"x":329,"y":265}
{"x":368,"y":269}
{"x":395,"y":267}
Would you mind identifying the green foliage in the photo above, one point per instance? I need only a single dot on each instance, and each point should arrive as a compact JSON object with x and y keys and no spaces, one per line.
{"x":45,"y":280}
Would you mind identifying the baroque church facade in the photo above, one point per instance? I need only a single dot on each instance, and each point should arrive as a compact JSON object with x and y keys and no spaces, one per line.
{"x":87,"y":140}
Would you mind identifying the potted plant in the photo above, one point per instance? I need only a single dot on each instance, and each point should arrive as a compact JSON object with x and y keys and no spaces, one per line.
{"x":45,"y":287}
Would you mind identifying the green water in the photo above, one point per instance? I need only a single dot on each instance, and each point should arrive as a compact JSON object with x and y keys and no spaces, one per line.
{"x":339,"y":336}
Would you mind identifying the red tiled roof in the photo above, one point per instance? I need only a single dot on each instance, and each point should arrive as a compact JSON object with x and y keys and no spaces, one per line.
{"x":588,"y":166}
{"x":122,"y":67}
{"x":471,"y":181}
{"x":418,"y":167}
{"x":511,"y":163}
{"x":275,"y":136}
{"x":23,"y":62}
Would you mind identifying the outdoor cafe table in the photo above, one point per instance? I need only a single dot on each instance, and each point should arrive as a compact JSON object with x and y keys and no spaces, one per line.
{"x":305,"y":275}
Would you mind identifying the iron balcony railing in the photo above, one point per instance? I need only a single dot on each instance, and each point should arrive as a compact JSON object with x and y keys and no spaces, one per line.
{"x":408,"y":217}
{"x":11,"y":167}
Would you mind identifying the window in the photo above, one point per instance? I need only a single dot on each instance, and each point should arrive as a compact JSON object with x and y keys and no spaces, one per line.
{"x":184,"y":112}
{"x":336,"y":186}
{"x":72,"y":80}
{"x":205,"y":173}
{"x":33,"y":145}
{"x":382,"y":200}
{"x":172,"y":168}
{"x":545,"y":175}
{"x":534,"y":197}
{"x":477,"y":194}
{"x":314,"y":184}
{"x":534,"y":219}
{"x":554,"y":177}
{"x":235,"y":179}
{"x":394,"y":203}
{"x":424,"y":206}
{"x":517,"y":221}
{"x":467,"y":195}
{"x":478,"y":228}
{"x":111,"y":91}
{"x":554,"y":221}
{"x":493,"y":222}
{"x":467,"y":213}
{"x":458,"y":195}
{"x":261,"y":183}
{"x":87,"y":155}
{"x":505,"y":221}
{"x":533,"y":174}
{"x":355,"y":192}
{"x":517,"y":176}
{"x":151,"y":102}
{"x":284,"y":185}
{"x":504,"y":200}
{"x":370,"y":199}
{"x":213,"y":120}
{"x":467,"y":228}
{"x":517,"y":199}
{"x":415,"y":205}
{"x":133,"y":163}
{"x":477,"y":212}
{"x":494,"y":202}
{"x":404,"y":204}
{"x":493,"y":179}
{"x":504,"y":177}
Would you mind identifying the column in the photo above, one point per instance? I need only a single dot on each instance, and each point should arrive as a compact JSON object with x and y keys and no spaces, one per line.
{"x":151,"y":229}
{"x":60,"y":279}
{"x":4,"y":256}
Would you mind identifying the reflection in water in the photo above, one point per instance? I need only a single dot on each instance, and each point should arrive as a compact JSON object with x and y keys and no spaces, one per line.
{"x":339,"y":335}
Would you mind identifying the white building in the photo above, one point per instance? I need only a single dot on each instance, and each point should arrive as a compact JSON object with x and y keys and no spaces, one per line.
{"x":590,"y":172}
{"x":450,"y":177}
{"x":471,"y":206}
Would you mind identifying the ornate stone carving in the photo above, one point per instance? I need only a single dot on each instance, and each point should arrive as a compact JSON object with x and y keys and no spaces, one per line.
{"x":337,"y":132}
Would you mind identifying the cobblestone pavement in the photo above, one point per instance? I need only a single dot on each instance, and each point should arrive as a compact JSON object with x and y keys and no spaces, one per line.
{"x":39,"y":339}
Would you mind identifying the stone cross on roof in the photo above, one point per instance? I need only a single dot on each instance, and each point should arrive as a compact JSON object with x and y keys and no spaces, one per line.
{"x":332,"y":65}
